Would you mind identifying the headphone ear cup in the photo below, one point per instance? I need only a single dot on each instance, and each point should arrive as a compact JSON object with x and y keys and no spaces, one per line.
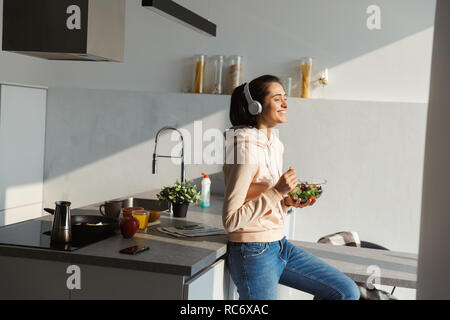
{"x":255,"y":108}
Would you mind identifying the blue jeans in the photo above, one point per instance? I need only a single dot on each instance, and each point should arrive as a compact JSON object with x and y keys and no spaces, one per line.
{"x":257,"y":267}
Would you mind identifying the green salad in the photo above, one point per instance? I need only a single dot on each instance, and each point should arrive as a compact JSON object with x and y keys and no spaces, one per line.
{"x":305,"y":190}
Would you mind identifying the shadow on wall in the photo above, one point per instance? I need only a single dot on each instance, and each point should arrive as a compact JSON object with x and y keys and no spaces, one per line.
{"x":85,"y":126}
{"x":2,"y":212}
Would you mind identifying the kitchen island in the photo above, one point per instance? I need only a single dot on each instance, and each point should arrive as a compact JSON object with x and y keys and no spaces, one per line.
{"x":173,"y":268}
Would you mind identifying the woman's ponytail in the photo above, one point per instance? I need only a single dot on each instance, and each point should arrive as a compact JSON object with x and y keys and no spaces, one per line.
{"x":239,"y":114}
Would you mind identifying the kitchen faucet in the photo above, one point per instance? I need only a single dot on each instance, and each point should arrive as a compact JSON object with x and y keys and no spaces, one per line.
{"x":156,"y":156}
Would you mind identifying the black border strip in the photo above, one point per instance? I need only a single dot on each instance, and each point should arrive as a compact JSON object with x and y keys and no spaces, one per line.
{"x":187,"y":17}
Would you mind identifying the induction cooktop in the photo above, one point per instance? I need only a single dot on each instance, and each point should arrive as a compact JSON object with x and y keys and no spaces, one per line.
{"x":36,"y":234}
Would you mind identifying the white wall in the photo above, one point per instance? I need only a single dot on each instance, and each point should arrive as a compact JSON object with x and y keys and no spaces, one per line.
{"x":371,"y":154}
{"x":391,"y":64}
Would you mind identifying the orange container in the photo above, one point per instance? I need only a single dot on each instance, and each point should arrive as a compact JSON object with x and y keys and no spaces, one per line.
{"x":154,"y":216}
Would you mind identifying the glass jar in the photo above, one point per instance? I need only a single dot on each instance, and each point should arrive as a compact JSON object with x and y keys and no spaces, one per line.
{"x":235,"y":72}
{"x":142,"y":216}
{"x":217,"y":86}
{"x":286,"y":82}
{"x":305,"y":66}
{"x":199,"y":73}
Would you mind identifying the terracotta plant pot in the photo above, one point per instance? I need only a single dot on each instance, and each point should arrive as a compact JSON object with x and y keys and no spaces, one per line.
{"x":180,"y":209}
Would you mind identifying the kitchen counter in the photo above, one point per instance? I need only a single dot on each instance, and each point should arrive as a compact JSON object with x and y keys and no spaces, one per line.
{"x":181,"y":256}
{"x":173,"y":268}
{"x":167,"y":254}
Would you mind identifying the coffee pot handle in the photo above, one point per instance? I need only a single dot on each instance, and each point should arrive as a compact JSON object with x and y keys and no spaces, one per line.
{"x":51,"y":211}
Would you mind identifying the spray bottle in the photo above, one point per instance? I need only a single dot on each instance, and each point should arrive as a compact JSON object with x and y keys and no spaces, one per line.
{"x":205,"y":195}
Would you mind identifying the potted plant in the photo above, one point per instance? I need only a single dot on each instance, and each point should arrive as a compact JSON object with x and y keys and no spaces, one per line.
{"x":181,"y":194}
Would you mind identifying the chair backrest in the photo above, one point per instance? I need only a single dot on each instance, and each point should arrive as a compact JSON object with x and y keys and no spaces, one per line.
{"x":343,"y":238}
{"x":370,"y":245}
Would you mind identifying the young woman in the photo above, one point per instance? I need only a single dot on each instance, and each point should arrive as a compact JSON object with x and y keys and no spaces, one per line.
{"x":259,"y":256}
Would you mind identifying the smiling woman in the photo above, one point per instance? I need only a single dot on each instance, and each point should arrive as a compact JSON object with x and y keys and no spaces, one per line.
{"x":255,"y":205}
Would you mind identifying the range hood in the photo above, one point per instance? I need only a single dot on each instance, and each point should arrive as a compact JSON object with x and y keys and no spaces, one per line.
{"x":84,"y":30}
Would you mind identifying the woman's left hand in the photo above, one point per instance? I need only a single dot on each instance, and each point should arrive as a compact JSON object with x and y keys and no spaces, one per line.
{"x":291,"y":203}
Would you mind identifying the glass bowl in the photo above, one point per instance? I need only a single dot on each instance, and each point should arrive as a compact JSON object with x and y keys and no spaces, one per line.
{"x":307,"y":188}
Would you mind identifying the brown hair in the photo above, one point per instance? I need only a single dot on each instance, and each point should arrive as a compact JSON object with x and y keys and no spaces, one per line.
{"x":239,"y":114}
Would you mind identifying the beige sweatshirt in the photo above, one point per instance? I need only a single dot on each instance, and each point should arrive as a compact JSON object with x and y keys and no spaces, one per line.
{"x":253,"y":210}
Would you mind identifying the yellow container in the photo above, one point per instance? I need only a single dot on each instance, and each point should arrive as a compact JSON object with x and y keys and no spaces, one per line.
{"x":305,"y":67}
{"x":142,"y":216}
{"x":199,"y":73}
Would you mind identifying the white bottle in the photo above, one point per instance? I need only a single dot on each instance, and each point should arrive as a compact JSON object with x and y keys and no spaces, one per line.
{"x":206,"y":185}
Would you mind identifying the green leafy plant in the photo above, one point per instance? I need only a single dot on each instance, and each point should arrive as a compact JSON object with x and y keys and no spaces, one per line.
{"x":180,"y":192}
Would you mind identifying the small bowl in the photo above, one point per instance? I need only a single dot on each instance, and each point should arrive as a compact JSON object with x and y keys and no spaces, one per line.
{"x":154,"y":216}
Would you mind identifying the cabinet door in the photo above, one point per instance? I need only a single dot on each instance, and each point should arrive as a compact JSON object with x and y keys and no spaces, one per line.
{"x":209,"y":284}
{"x":22,"y":278}
{"x":22,"y":137}
{"x":104,"y":282}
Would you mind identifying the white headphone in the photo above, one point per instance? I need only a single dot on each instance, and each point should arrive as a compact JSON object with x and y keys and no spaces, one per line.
{"x":254,"y":107}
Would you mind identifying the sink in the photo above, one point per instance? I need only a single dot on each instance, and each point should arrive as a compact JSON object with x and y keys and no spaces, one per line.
{"x":147,"y":204}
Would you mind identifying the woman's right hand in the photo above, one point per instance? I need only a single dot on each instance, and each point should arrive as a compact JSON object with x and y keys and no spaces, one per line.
{"x":287,"y":181}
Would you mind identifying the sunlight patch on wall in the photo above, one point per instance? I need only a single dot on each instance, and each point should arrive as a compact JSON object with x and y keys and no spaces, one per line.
{"x":397,"y":72}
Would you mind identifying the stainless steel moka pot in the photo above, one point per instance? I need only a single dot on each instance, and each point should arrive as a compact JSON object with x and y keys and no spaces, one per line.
{"x":61,"y":228}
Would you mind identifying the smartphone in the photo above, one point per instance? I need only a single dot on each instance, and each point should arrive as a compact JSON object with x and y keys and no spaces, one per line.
{"x":134,"y":249}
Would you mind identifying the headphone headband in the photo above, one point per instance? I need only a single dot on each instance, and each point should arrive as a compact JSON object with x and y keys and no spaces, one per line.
{"x":248,"y":96}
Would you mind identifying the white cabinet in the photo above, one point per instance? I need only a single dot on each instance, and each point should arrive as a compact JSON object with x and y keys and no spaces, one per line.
{"x":210,"y":284}
{"x":22,"y":138}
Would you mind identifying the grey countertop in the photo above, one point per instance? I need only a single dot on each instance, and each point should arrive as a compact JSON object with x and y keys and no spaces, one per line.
{"x":389,"y":268}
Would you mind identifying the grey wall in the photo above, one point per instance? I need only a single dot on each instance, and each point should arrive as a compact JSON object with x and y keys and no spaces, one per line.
{"x":434,"y":259}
